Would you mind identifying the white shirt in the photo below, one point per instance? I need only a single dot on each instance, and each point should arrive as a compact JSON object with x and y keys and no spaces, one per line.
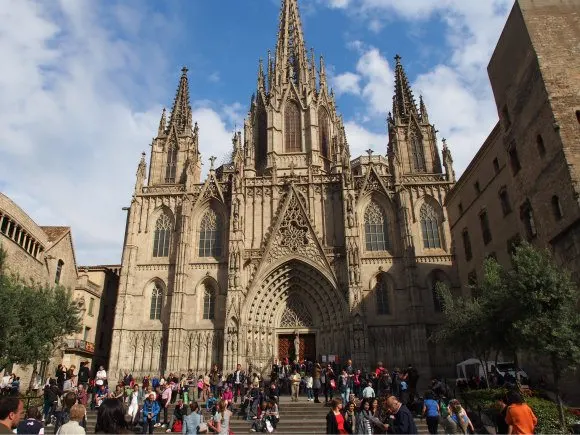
{"x":368,"y":392}
{"x":101,"y":374}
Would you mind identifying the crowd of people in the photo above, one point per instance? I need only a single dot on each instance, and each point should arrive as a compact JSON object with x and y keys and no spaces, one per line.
{"x":374,"y":402}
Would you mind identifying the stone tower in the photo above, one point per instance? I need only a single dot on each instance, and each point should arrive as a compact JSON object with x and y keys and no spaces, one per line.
{"x":290,"y":242}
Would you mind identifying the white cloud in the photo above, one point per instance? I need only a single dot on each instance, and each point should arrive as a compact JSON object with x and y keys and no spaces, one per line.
{"x":457,"y":93}
{"x":347,"y":83}
{"x":73,"y":119}
{"x":361,"y":139}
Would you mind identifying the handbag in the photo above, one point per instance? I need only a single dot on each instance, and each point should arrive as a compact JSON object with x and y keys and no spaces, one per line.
{"x":177,"y":426}
{"x":333,"y":384}
{"x":202,"y":428}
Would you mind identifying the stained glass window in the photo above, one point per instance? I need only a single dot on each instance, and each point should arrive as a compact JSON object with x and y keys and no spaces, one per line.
{"x":156,"y":302}
{"x":292,"y":128}
{"x":208,"y":303}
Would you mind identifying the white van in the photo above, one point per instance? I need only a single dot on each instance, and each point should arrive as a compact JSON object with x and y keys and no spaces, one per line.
{"x":472,"y":367}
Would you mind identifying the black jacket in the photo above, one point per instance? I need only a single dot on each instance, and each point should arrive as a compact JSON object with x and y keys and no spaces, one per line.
{"x":331,"y":424}
{"x":403,"y":422}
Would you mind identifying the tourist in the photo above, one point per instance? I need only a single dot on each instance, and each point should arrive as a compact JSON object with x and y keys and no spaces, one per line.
{"x":272,"y":415}
{"x":101,"y":375}
{"x":350,"y":418}
{"x":176,"y":422}
{"x":63,"y":416}
{"x":366,"y":422}
{"x":73,"y":425}
{"x":349,"y":369}
{"x":214,"y":378}
{"x":32,"y":424}
{"x":165,"y":400}
{"x":458,"y":421}
{"x":135,"y":399}
{"x":210,"y":403}
{"x":220,"y":423}
{"x":60,"y":375}
{"x":519,"y":417}
{"x":401,"y":419}
{"x":11,"y":411}
{"x":368,"y":391}
{"x":330,"y":383}
{"x":194,"y":422}
{"x":357,"y":383}
{"x":15,"y":386}
{"x":238,"y":379}
{"x":316,"y":381}
{"x":150,"y":413}
{"x":295,"y":380}
{"x":101,"y":394}
{"x":228,"y":395}
{"x":111,"y":418}
{"x":82,"y":396}
{"x":501,"y":425}
{"x":335,"y":419}
{"x":51,"y":395}
{"x":343,"y":380}
{"x":84,"y":375}
{"x":412,"y":378}
{"x":309,"y":383}
{"x":431,"y":412}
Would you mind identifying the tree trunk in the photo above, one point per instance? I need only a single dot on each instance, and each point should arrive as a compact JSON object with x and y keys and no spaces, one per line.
{"x":33,"y":376}
{"x":557,"y":373}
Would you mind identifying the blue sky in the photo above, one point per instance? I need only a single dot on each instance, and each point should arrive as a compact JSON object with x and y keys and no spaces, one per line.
{"x":85,"y":83}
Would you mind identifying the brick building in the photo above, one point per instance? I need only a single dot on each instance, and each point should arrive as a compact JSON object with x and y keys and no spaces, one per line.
{"x":524,"y":181}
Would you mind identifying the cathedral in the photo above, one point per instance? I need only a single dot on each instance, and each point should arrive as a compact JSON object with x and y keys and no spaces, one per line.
{"x":292,"y":246}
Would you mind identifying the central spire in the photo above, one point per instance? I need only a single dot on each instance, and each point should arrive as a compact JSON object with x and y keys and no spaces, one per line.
{"x":291,"y":56}
{"x":181,"y":110}
{"x":403,"y":100}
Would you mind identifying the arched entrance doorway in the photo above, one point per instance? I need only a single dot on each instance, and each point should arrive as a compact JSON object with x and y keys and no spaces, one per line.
{"x":294,"y":307}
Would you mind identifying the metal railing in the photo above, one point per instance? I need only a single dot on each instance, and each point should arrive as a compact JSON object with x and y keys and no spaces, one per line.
{"x":86,"y":346}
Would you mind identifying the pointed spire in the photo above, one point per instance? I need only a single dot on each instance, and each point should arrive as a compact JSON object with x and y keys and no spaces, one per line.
{"x":312,"y":70}
{"x":291,"y":57}
{"x":162,"y":123}
{"x":423,"y":110}
{"x":403,"y":100}
{"x":141,"y":171}
{"x":448,"y":162}
{"x":181,"y":110}
{"x":322,"y":74}
{"x":261,"y":77}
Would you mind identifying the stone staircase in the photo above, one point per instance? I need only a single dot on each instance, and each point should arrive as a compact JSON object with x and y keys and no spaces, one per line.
{"x":300,"y":417}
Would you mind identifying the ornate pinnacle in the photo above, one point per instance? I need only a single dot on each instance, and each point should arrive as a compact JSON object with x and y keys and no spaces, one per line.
{"x":370,"y":153}
{"x":162,"y":123}
{"x":423,"y":110}
{"x":181,"y":110}
{"x":261,"y":78}
{"x":212,"y":159}
{"x":403,"y":100}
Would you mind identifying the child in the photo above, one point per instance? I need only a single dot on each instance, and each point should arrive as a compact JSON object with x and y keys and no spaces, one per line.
{"x":309,"y":391}
{"x":210,"y":404}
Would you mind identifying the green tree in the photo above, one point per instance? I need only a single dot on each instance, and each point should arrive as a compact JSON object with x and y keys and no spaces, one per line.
{"x":35,"y":319}
{"x":465,"y":327}
{"x":547,"y":303}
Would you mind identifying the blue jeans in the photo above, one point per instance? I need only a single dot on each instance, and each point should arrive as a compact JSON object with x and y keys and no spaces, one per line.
{"x":345,"y":395}
{"x":310,"y":393}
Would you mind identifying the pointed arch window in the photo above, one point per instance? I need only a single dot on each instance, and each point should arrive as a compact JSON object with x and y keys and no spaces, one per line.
{"x":382,"y":295}
{"x":417,"y":154}
{"x":376,"y":231}
{"x":430,"y":227}
{"x":171,"y":167}
{"x":210,"y":241}
{"x":162,"y":239}
{"x":292,"y":128}
{"x":324,"y":133}
{"x":156,"y":302}
{"x":208,"y":302}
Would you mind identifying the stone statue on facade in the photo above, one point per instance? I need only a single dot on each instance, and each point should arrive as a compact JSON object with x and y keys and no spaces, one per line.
{"x":297,"y":345}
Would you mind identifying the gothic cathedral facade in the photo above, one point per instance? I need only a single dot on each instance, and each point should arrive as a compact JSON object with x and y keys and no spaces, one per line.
{"x":293,"y":238}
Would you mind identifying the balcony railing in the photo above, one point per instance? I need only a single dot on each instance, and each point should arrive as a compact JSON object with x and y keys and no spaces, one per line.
{"x":80,"y":345}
